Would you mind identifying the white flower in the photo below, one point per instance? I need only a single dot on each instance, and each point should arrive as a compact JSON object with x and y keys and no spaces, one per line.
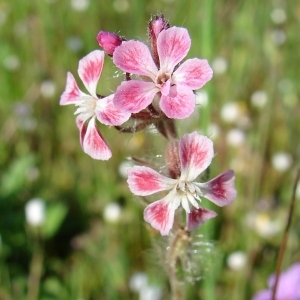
{"x":80,"y":5}
{"x":259,"y":98}
{"x":237,"y":260}
{"x":278,"y":16}
{"x":35,"y":212}
{"x":230,"y":112}
{"x":281,"y":161}
{"x":112,"y":212}
{"x":235,"y":137}
{"x":48,"y":88}
{"x":219,"y":65}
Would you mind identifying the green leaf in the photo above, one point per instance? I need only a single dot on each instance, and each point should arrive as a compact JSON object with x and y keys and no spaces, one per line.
{"x":54,"y":217}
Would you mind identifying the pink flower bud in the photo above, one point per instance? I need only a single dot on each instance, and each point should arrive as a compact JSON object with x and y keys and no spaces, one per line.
{"x":109,"y":41}
{"x":156,"y":25}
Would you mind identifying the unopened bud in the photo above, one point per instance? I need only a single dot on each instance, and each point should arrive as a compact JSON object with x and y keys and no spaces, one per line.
{"x":109,"y":41}
{"x":156,"y":25}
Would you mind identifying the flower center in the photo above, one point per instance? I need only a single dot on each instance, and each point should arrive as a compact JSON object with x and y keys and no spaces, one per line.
{"x":86,"y":107}
{"x":188,"y":192}
{"x":162,"y":78}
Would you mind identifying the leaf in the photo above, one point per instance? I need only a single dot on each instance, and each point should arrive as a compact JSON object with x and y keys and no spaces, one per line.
{"x":55,"y":215}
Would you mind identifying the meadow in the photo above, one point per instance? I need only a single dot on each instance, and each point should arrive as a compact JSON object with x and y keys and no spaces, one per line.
{"x":93,"y":242}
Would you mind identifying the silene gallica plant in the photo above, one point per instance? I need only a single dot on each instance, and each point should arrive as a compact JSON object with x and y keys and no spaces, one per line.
{"x":158,"y":88}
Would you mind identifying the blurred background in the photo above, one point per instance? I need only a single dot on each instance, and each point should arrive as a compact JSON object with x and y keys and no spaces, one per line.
{"x":69,"y":226}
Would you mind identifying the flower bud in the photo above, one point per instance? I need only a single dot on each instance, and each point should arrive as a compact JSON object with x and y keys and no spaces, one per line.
{"x":109,"y":41}
{"x":156,"y":25}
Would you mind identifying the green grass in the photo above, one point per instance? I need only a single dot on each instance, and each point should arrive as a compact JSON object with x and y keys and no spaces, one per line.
{"x":82,"y":256}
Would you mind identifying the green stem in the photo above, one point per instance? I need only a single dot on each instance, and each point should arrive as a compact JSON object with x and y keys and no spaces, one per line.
{"x":35,"y":273}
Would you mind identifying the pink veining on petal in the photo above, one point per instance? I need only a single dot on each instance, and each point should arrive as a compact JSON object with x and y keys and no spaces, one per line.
{"x":221,"y":190}
{"x":134,"y":95}
{"x":71,"y":93}
{"x":135,"y":57}
{"x":82,"y":126}
{"x":173,"y":44}
{"x":179,"y":104}
{"x":194,"y":73}
{"x":195,"y":152}
{"x":90,"y":69}
{"x":93,"y":143}
{"x":160,"y":215}
{"x":108,"y":114}
{"x":79,"y":122}
{"x":144,"y":181}
{"x":198,"y":216}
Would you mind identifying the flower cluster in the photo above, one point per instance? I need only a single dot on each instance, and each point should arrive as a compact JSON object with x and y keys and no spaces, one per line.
{"x":159,"y":87}
{"x":163,"y":88}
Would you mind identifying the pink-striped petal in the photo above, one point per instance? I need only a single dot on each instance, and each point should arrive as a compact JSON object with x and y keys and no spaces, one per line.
{"x":179,"y":104}
{"x":71,"y":93}
{"x":82,"y":126}
{"x":173,"y":44}
{"x":79,"y":122}
{"x":108,"y":114}
{"x":90,"y":69}
{"x":145,"y":181}
{"x":198,"y":216}
{"x":220,"y":190}
{"x":93,"y":143}
{"x":194,"y":73}
{"x":160,"y":215}
{"x":134,"y":95}
{"x":135,"y":57}
{"x":195,"y":152}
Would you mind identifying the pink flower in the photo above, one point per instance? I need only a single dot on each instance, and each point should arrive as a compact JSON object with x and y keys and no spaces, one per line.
{"x":175,"y":85}
{"x":195,"y":153}
{"x":109,"y":41}
{"x":288,"y":286}
{"x":91,"y":107}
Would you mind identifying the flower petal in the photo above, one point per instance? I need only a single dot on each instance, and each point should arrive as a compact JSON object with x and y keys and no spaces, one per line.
{"x":135,"y":57}
{"x":198,"y":216}
{"x":220,"y":190}
{"x":72,"y":92}
{"x":179,"y":104}
{"x":160,"y":214}
{"x":82,"y":126}
{"x":144,"y":181}
{"x":263,"y":295}
{"x":173,"y":44}
{"x":108,"y":114}
{"x":288,"y":285}
{"x":90,"y":69}
{"x":134,"y":95}
{"x":195,"y":152}
{"x":193,"y":73}
{"x":93,"y":143}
